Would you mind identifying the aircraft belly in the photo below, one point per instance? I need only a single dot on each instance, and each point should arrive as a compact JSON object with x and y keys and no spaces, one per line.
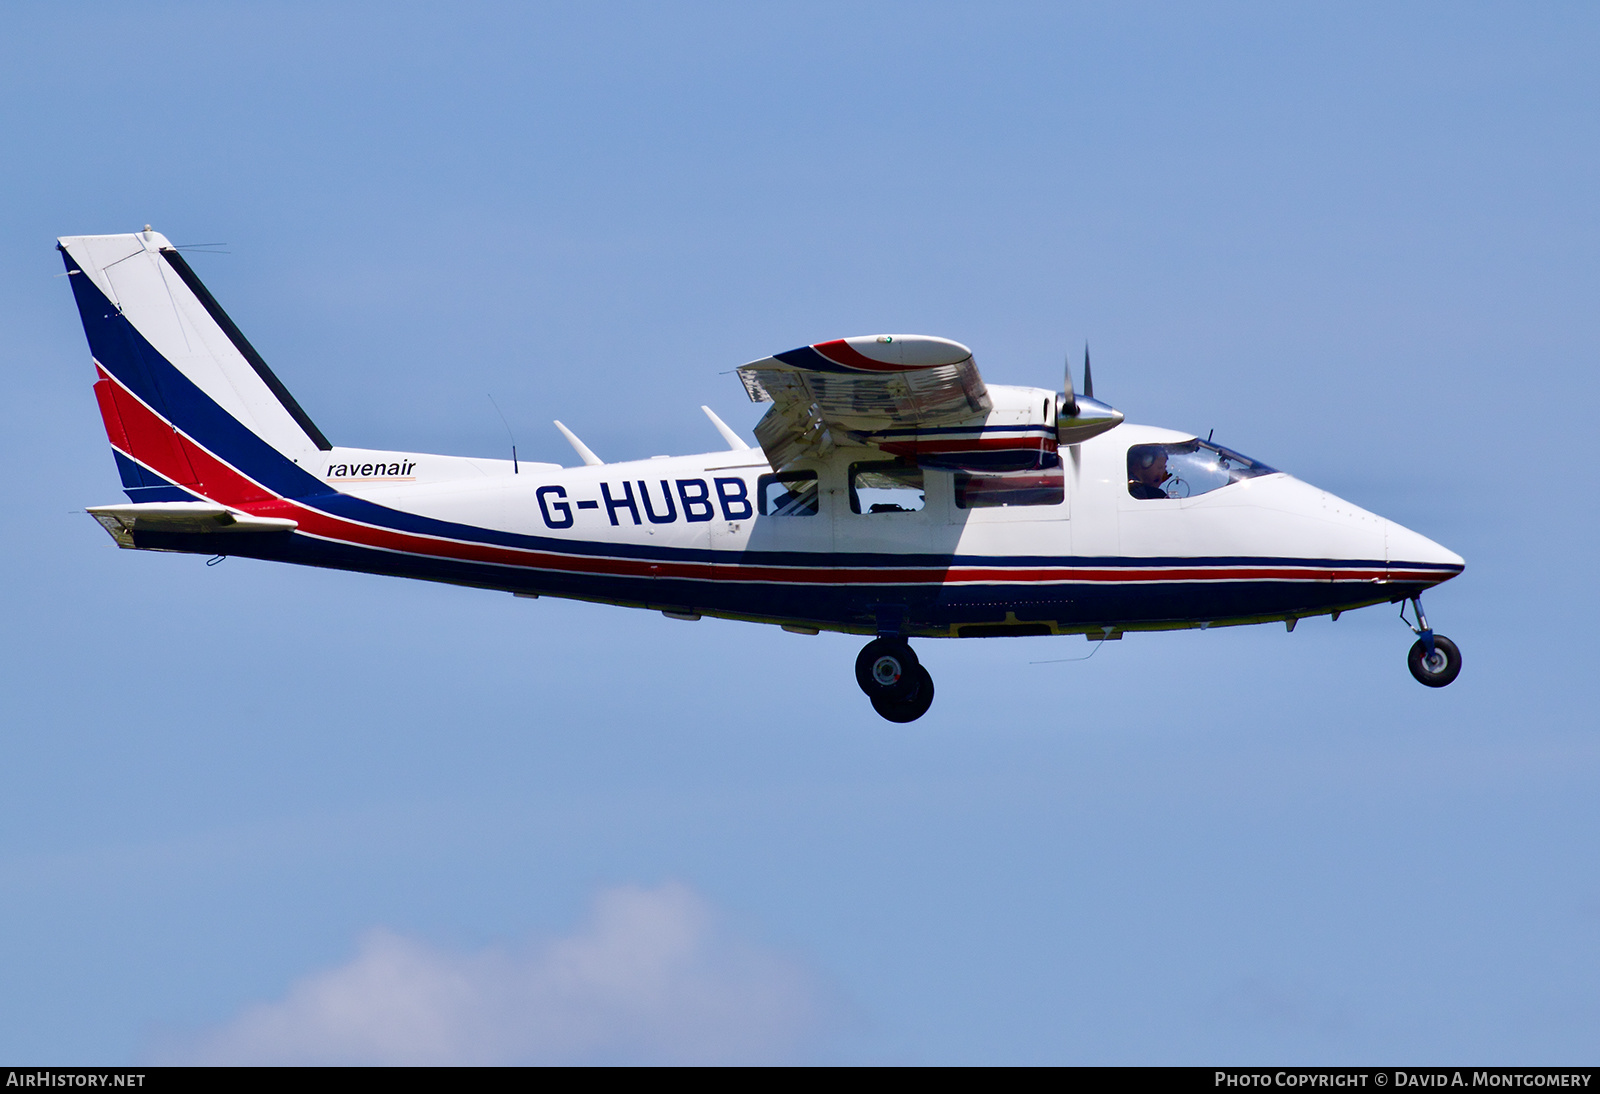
{"x":821,"y":595}
{"x":1089,"y":606}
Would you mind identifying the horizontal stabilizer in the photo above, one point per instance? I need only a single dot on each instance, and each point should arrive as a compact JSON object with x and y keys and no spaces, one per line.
{"x":183,"y":517}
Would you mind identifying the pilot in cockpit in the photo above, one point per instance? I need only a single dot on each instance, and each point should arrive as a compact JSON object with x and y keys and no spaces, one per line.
{"x":1147,"y":470}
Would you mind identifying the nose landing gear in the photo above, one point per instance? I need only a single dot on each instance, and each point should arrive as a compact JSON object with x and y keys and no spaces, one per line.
{"x":1434,"y":660}
{"x":891,"y":676}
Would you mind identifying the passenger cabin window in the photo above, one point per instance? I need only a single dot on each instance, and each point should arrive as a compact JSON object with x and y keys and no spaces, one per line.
{"x":789,"y":494}
{"x":891,"y":487}
{"x":1186,"y":470}
{"x":1011,"y":489}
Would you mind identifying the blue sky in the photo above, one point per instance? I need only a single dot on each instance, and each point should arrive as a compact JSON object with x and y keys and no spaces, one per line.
{"x":1358,"y":241}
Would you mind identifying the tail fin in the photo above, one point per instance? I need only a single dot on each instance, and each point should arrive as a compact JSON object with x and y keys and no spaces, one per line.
{"x":185,"y":398}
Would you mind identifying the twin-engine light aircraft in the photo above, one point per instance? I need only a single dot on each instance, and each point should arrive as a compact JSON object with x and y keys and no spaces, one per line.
{"x":894,"y":494}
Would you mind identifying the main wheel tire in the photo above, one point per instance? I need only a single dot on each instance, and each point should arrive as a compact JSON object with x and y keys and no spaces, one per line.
{"x":887,"y":669}
{"x":1445,"y":666}
{"x":912,"y":706}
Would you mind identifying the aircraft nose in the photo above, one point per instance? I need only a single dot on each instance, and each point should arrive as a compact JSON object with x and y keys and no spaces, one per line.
{"x":1402,"y":545}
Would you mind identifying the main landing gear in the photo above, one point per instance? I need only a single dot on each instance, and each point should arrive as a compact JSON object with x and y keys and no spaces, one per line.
{"x":1434,"y":659}
{"x":900,"y":688}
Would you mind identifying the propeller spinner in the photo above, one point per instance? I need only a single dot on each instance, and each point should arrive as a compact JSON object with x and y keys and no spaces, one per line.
{"x":1080,"y":417}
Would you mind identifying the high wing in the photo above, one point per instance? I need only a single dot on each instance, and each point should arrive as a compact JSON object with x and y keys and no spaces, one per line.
{"x":873,"y":389}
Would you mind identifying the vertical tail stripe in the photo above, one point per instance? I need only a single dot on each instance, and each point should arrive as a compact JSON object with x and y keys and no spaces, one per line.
{"x":139,"y":369}
{"x":246,"y":350}
{"x":104,"y":395}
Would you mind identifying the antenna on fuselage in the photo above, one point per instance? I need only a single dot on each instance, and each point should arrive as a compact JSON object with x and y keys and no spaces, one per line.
{"x":579,"y":447}
{"x":514,"y":469}
{"x":735,"y":442}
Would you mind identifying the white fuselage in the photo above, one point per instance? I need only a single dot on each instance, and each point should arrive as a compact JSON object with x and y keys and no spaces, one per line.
{"x":682,"y":534}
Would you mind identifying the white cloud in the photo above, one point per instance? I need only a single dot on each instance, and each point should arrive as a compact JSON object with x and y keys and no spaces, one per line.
{"x":650,"y":977}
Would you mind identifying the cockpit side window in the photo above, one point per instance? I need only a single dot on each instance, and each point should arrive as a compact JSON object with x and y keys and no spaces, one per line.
{"x":886,"y":487}
{"x":1186,"y":469}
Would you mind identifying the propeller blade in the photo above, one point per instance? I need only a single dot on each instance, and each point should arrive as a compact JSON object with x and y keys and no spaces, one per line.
{"x":1069,"y":401}
{"x":1088,"y":416}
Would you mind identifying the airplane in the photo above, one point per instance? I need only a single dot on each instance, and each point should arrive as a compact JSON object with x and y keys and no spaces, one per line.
{"x":894,"y":494}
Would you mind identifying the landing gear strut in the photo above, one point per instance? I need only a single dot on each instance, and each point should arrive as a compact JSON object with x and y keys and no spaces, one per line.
{"x":891,"y":676}
{"x":1434,"y":659}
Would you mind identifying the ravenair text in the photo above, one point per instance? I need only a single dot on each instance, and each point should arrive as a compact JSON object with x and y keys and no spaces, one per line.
{"x":369,"y":470}
{"x":637,"y":501}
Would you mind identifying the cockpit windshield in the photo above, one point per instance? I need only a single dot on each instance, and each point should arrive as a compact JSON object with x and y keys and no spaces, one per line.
{"x":1186,"y":469}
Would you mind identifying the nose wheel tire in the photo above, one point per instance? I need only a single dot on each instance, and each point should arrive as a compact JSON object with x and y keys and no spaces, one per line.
{"x":887,"y":669}
{"x":1439,"y":670}
{"x":912,"y":706}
